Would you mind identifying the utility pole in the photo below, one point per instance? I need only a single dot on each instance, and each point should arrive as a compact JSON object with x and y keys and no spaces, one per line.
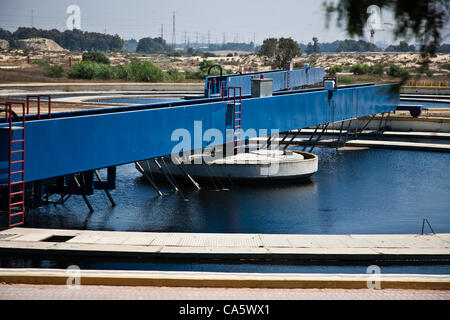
{"x":32,"y":18}
{"x":209,"y":38}
{"x":173,"y":32}
{"x":162,"y":31}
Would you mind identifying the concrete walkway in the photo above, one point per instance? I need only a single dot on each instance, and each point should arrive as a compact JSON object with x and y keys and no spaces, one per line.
{"x":325,"y":248}
{"x":53,"y":292}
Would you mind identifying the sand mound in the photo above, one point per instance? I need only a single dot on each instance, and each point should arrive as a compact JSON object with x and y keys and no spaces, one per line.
{"x":40,"y":44}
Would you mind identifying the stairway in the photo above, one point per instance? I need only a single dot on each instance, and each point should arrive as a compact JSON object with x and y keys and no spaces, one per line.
{"x":16,"y":180}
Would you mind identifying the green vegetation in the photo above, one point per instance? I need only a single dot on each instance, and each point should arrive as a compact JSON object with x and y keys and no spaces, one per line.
{"x":135,"y":71}
{"x":313,"y":48}
{"x":40,"y":63}
{"x":402,"y":47}
{"x":397,"y":71}
{"x":55,"y":71}
{"x":203,"y":72}
{"x":425,"y":20}
{"x":75,"y":40}
{"x":281,"y":50}
{"x":174,"y":75}
{"x":355,"y":46}
{"x":429,"y":73}
{"x":52,"y":70}
{"x":360,"y":69}
{"x":346,"y":80}
{"x":96,"y":56}
{"x":232,"y":46}
{"x":378,"y":69}
{"x":152,"y":45}
{"x":140,"y":71}
{"x":334,"y":69}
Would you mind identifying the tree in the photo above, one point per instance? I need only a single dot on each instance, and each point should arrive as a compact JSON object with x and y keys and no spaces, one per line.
{"x":152,"y":45}
{"x":130,"y":45}
{"x":282,"y":50}
{"x":316,"y":46}
{"x":402,"y":47}
{"x":269,"y":47}
{"x":423,"y":19}
{"x":309,"y":48}
{"x":99,"y":57}
{"x":75,"y":40}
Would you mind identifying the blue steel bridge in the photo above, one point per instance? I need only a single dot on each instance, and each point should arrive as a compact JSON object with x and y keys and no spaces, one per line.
{"x":60,"y":153}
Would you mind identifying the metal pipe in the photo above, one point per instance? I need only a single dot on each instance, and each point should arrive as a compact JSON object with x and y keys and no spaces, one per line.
{"x":86,"y":200}
{"x":310,"y":138}
{"x":318,"y":139}
{"x":106,"y":191}
{"x":165,"y":175}
{"x":146,"y":176}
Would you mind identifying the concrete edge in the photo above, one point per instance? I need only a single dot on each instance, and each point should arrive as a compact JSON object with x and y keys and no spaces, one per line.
{"x":222,"y":280}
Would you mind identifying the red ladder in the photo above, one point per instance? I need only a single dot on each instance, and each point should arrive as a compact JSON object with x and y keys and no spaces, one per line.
{"x":16,"y":185}
{"x":237,"y":114}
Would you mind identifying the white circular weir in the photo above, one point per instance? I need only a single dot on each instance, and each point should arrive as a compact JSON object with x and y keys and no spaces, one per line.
{"x":255,"y":165}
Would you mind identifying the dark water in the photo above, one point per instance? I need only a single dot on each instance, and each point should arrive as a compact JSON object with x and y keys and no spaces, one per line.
{"x":354,"y":192}
{"x":101,"y":264}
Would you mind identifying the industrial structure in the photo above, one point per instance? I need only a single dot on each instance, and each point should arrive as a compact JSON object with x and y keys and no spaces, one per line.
{"x":61,"y":153}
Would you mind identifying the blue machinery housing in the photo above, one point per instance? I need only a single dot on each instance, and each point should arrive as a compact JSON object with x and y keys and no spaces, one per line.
{"x":281,"y":80}
{"x":75,"y":144}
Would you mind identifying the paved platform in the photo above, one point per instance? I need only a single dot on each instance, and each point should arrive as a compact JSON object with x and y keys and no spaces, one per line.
{"x":54,"y":292}
{"x":400,"y":248}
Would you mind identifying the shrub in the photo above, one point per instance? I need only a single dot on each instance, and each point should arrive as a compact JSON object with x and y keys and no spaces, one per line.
{"x":99,"y":57}
{"x":397,"y":71}
{"x":55,"y":71}
{"x":209,"y":54}
{"x":360,"y":69}
{"x":346,"y":80}
{"x":146,"y":72}
{"x":104,"y":72}
{"x":174,"y":75}
{"x":334,"y":69}
{"x":429,"y":73}
{"x":378,"y":69}
{"x":83,"y":70}
{"x":41,"y":63}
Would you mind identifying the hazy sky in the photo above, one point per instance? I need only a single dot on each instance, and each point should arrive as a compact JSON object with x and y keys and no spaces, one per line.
{"x":240,"y":20}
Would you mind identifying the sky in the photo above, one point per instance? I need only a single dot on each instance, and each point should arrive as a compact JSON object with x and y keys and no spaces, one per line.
{"x":229,"y":20}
